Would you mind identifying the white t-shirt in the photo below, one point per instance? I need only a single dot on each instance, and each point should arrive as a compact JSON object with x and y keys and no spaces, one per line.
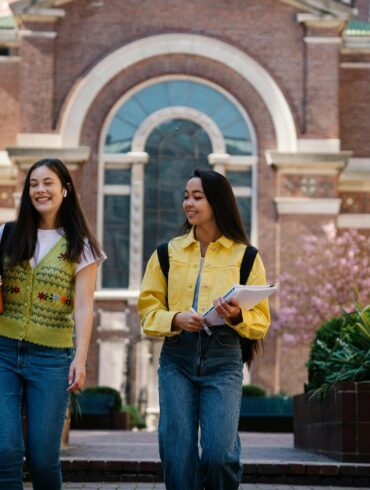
{"x":46,"y":239}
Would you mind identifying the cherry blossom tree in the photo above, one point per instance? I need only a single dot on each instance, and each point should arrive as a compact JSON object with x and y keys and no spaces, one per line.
{"x":330,"y":276}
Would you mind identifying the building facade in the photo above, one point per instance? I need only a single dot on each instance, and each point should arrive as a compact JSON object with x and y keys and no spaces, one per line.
{"x":275,"y":94}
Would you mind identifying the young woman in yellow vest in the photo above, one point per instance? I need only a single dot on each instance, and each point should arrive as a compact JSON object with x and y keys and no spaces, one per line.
{"x":49,"y":269}
{"x":200,"y":375}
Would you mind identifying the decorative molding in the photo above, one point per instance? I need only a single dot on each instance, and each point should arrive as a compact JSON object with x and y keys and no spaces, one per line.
{"x":24,"y":157}
{"x":308,"y":163}
{"x":124,"y":160}
{"x":44,"y":34}
{"x":28,"y":11}
{"x":8,"y":172}
{"x":39,"y":140}
{"x":218,"y":159}
{"x":307,"y":205}
{"x":356,"y":176}
{"x":355,"y":44}
{"x":9,"y":38}
{"x":86,"y":89}
{"x":355,"y":65}
{"x":357,"y":221}
{"x":136,"y":225}
{"x":116,"y":190}
{"x":322,"y":40}
{"x":178,"y":112}
{"x":316,"y":145}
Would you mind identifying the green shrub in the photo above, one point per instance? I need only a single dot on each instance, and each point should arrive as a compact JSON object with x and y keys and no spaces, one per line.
{"x":107,"y":390}
{"x":253,"y":390}
{"x":136,"y":419}
{"x":340,"y":352}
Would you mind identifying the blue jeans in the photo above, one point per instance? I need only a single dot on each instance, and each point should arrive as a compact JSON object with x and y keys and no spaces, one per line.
{"x":36,"y":377}
{"x":200,"y":382}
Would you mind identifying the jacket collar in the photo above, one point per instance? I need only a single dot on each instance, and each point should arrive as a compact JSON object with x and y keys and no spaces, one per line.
{"x":190,"y":239}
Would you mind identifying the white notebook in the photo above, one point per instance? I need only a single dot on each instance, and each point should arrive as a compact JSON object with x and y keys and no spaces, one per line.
{"x":247,"y":296}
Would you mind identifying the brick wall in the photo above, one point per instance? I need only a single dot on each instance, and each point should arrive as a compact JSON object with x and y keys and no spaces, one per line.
{"x":9,"y":105}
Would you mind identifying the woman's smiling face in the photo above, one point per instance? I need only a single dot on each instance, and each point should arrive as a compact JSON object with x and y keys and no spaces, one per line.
{"x":195,"y":205}
{"x":46,"y":192}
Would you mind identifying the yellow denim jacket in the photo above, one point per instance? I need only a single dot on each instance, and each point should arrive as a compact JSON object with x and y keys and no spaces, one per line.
{"x":221,"y":271}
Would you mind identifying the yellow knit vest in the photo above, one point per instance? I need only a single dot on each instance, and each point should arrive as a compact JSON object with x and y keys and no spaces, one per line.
{"x":38,"y":302}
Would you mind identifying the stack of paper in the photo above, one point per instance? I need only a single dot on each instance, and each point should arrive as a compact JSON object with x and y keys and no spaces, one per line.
{"x":247,"y":297}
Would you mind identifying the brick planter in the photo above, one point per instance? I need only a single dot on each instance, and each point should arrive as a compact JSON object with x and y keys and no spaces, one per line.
{"x":336,"y":425}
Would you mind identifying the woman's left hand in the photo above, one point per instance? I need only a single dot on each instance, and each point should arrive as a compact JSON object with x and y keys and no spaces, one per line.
{"x":230,"y":311}
{"x":77,"y":375}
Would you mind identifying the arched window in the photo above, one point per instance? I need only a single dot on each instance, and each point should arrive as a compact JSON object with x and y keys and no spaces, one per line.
{"x":156,"y":138}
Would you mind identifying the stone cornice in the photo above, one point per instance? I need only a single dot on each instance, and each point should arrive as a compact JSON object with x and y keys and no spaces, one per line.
{"x":321,"y":7}
{"x":24,"y":157}
{"x":318,"y":163}
{"x":356,"y":176}
{"x":307,"y":205}
{"x":41,"y":11}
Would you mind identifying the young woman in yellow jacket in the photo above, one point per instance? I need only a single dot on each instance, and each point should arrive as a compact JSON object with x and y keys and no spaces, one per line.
{"x":200,"y":375}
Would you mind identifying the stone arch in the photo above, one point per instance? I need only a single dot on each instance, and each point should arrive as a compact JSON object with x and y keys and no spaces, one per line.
{"x":179,"y":112}
{"x":84,"y":92}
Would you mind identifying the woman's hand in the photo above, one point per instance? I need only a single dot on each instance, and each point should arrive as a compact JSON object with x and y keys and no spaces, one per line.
{"x":77,"y":375}
{"x":188,"y":321}
{"x":230,"y":311}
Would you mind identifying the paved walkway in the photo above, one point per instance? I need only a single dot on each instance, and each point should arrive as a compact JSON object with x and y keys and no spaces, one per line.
{"x":143,"y":446}
{"x":102,"y":455}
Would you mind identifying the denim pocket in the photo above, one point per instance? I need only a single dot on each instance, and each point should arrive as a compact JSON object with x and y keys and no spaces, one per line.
{"x":227,"y":339}
{"x":172,"y":340}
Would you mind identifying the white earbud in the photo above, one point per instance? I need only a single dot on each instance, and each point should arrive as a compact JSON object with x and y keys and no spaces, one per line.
{"x":64,"y":193}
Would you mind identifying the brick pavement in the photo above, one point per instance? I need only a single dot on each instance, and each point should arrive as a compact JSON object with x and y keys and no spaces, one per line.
{"x":120,"y":456}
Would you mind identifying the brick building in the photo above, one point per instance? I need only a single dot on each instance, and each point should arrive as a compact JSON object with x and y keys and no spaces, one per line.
{"x":133,"y":95}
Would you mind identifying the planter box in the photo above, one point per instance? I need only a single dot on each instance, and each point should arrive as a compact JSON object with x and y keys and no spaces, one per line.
{"x":266,"y":414}
{"x":113,"y":421}
{"x":337,"y":424}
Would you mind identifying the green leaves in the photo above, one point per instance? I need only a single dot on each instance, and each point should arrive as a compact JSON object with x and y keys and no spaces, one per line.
{"x":340,"y":352}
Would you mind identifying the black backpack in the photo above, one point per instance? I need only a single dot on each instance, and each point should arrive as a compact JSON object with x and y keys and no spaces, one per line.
{"x":249,"y":347}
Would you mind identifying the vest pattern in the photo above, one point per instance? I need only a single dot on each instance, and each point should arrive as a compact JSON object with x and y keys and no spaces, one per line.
{"x":38,"y":303}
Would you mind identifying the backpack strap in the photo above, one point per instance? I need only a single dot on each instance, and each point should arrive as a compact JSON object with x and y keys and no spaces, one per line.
{"x":7,"y":229}
{"x":164,"y":260}
{"x":247,"y":263}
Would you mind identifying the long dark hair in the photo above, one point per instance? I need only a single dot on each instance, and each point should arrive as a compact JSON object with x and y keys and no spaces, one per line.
{"x":220,"y":196}
{"x":22,"y":240}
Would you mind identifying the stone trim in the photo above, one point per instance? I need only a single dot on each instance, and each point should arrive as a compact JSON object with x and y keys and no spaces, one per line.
{"x":355,"y":65}
{"x":165,"y":78}
{"x":316,"y":145}
{"x":307,"y":205}
{"x":72,"y":157}
{"x":44,"y":34}
{"x":357,"y":221}
{"x":85,"y":90}
{"x":162,"y":115}
{"x":356,"y":176}
{"x":322,"y":40}
{"x":316,"y":163}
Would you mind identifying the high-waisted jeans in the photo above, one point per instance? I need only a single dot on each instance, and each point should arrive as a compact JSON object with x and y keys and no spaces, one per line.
{"x":200,"y":381}
{"x":36,"y":377}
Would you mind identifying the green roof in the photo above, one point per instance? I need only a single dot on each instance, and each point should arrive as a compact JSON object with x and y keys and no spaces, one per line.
{"x":7,"y":22}
{"x":357,"y":28}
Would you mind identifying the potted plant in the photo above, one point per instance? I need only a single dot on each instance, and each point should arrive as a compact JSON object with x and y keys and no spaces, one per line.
{"x":332,"y":417}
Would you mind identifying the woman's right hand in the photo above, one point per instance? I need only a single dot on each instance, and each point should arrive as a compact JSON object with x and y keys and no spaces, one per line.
{"x":188,"y":321}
